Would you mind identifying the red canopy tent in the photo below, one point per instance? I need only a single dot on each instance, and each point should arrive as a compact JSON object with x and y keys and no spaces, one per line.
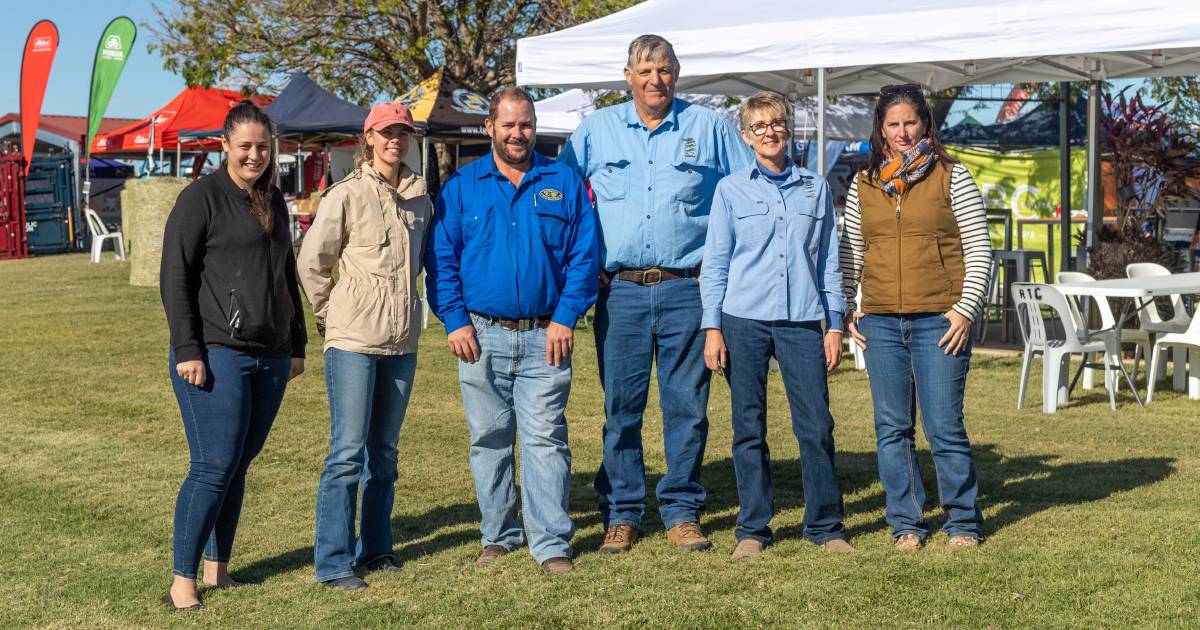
{"x":193,"y":108}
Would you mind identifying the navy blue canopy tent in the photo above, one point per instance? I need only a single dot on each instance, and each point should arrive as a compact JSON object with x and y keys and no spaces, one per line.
{"x":1038,"y":128}
{"x":303,"y":107}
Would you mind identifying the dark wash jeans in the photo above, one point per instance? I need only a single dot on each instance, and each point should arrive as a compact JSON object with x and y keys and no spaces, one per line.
{"x":368,"y":397}
{"x":226,"y":422}
{"x":636,"y":327}
{"x":906,"y":369}
{"x":799,"y":348}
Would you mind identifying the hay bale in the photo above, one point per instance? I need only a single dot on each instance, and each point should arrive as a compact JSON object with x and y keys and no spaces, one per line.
{"x":145,"y":204}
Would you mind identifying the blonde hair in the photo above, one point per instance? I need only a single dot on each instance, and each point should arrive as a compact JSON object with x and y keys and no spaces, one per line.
{"x":767,"y":100}
{"x":363,"y":154}
{"x":649,"y":48}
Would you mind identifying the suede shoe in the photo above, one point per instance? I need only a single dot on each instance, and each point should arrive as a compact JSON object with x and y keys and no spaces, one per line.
{"x":748,"y":548}
{"x":385,"y":563}
{"x":837,"y":545}
{"x":688,"y":536}
{"x":619,"y":538}
{"x":908,"y":542}
{"x":557,"y":566}
{"x":348,"y":583}
{"x":963,"y":541}
{"x":490,"y":553}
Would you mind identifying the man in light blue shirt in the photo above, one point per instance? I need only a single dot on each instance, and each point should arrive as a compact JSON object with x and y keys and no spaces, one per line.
{"x":772,"y":287}
{"x":653,"y":164}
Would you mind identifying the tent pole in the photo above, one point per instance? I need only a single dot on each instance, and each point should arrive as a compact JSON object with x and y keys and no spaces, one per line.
{"x":1064,"y":173}
{"x":1095,"y":188}
{"x":275,"y":156}
{"x":178,"y":159}
{"x":424,"y":156}
{"x":150,"y":150}
{"x":457,"y":154}
{"x":299,"y":166}
{"x":821,"y":122}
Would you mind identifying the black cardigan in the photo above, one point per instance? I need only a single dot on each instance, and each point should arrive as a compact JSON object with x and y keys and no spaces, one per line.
{"x":225,"y":283}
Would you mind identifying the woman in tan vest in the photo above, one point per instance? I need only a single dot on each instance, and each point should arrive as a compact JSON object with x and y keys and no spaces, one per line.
{"x":372,"y":226}
{"x":916,"y":239}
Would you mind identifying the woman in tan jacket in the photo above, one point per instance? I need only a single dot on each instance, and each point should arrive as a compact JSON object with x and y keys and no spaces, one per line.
{"x":371,"y":225}
{"x":915,"y":238}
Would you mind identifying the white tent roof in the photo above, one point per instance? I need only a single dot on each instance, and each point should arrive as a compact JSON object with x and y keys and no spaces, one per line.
{"x":849,"y":118}
{"x":739,"y":48}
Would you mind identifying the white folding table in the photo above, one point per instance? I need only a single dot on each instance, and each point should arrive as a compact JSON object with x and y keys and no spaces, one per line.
{"x":1141,"y":291}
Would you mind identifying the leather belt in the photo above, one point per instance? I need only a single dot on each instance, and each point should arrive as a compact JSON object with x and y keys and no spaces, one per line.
{"x":516,"y":324}
{"x":654,"y":275}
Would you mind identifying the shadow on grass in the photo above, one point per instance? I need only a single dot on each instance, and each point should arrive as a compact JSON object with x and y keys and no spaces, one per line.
{"x":1024,"y":485}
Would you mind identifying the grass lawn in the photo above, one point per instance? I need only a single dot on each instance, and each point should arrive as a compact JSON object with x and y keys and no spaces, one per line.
{"x":1091,"y":515}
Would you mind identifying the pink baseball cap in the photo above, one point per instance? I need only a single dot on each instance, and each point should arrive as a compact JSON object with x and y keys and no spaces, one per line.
{"x":385,"y":114}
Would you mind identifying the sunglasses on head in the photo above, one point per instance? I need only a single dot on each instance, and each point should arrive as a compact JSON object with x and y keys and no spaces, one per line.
{"x":904,"y":87}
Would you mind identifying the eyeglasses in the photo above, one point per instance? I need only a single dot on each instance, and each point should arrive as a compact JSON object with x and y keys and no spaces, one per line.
{"x":903,"y":87}
{"x":778,"y":125}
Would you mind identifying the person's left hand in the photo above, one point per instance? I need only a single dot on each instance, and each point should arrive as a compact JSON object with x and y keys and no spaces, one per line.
{"x":297,"y":368}
{"x":559,"y":343}
{"x":959,"y":333}
{"x":833,"y":350}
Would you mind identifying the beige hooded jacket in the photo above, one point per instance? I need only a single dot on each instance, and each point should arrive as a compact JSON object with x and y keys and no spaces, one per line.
{"x":375,"y":234}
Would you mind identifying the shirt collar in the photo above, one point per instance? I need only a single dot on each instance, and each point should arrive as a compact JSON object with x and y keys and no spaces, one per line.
{"x":222,"y":175}
{"x":632,"y":119}
{"x":794,"y":172}
{"x":489,"y":168}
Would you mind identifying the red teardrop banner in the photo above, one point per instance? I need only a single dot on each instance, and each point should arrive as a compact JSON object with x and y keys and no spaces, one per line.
{"x":35,"y":72}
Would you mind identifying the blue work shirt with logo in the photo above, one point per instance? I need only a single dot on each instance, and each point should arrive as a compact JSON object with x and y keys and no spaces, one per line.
{"x":653,"y":189}
{"x":513,"y":252}
{"x":772,"y":250}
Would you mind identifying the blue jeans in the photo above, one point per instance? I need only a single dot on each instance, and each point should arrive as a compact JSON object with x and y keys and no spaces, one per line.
{"x":226,"y":422}
{"x":636,"y":327}
{"x":799,"y":348}
{"x":906,"y":369}
{"x":368,"y":395}
{"x":510,"y":391}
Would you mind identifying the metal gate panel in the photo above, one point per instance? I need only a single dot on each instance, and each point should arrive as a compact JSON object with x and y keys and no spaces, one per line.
{"x":50,"y":220}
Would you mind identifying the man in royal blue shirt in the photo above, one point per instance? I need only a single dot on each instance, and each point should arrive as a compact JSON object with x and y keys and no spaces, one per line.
{"x":510,"y":266}
{"x":653,"y":164}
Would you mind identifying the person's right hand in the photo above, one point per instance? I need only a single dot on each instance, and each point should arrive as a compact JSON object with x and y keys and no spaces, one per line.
{"x":716,"y":357}
{"x":462,"y":344}
{"x":852,"y":326}
{"x":191,"y":371}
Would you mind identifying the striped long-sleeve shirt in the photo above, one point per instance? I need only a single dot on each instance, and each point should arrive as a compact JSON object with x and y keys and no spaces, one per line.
{"x":972,"y":227}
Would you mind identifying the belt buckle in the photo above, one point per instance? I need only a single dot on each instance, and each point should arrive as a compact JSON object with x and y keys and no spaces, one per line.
{"x":646,"y":277}
{"x":524,"y":325}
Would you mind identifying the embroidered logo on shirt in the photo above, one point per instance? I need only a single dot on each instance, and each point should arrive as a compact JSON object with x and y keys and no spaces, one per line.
{"x":689,"y":147}
{"x":550,"y":194}
{"x":810,"y":186}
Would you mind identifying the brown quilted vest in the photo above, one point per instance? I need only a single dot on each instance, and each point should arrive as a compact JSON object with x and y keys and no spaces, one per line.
{"x":913,"y":259}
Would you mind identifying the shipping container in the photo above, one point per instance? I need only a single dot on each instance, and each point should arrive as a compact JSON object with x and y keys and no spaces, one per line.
{"x":51,"y":217}
{"x":12,"y":207}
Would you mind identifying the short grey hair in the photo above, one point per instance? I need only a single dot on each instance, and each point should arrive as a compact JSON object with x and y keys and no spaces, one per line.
{"x":767,"y":100}
{"x":650,"y":48}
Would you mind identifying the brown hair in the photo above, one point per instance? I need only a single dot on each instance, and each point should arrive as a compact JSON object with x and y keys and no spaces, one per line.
{"x":909,"y":94}
{"x":245,"y":113}
{"x":506,"y":94}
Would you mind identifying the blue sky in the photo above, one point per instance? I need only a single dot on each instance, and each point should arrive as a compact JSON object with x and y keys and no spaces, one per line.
{"x":144,"y":85}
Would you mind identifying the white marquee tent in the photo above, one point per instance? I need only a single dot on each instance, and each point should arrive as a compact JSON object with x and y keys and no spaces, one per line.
{"x":857,"y":47}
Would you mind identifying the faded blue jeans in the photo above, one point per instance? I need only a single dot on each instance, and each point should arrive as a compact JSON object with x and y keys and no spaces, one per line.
{"x":512,"y":391}
{"x":368,"y":396}
{"x":226,"y":423}
{"x":907,"y":369}
{"x":639,"y":328}
{"x":799,"y":348}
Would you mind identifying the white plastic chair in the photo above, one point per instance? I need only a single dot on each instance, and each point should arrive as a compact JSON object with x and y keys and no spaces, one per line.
{"x":1153,"y":323}
{"x":1056,"y":353}
{"x":1136,"y":336}
{"x":1185,"y":342}
{"x":100,"y":234}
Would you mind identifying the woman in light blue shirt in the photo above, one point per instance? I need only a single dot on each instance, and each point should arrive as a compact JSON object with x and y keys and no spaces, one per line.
{"x":771,"y":287}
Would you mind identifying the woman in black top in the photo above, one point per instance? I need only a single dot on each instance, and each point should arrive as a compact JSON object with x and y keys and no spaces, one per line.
{"x":228,"y":283}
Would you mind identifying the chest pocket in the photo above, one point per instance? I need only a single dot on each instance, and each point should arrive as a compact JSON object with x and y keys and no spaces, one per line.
{"x":693,"y":181}
{"x":552,"y":219}
{"x":477,"y":226}
{"x":368,"y":230}
{"x":610,"y":182}
{"x":752,"y":222}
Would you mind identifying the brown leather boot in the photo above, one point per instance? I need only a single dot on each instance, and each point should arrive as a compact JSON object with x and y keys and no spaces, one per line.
{"x":619,"y":538}
{"x":490,"y":553}
{"x":688,"y":536}
{"x":557,"y":566}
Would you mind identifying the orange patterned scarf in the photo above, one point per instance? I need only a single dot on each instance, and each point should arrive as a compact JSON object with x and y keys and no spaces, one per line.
{"x":901,"y":171}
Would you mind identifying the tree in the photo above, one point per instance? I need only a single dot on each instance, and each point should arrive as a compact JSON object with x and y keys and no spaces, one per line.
{"x":360,"y":49}
{"x":1182,"y":94}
